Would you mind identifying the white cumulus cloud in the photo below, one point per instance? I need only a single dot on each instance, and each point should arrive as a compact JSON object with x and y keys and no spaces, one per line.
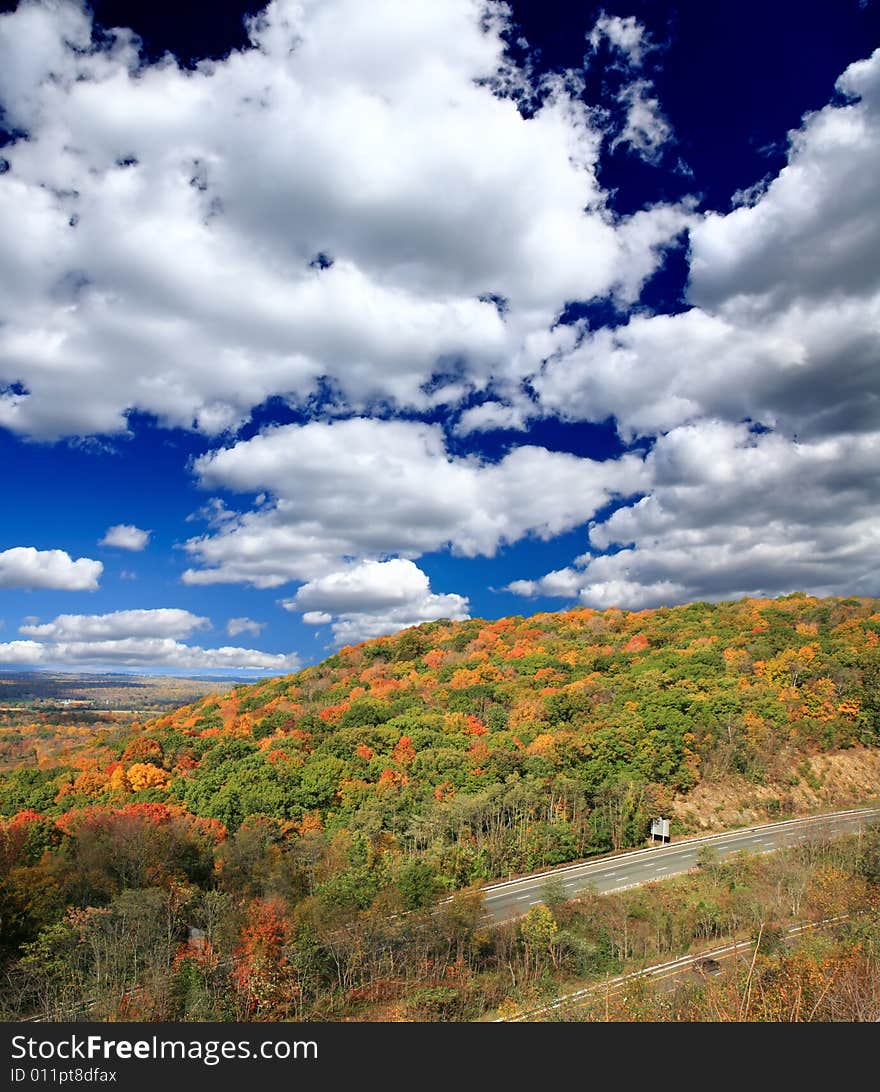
{"x":786,"y":295}
{"x":367,"y":489}
{"x":646,"y":129}
{"x":373,"y":598}
{"x":235,"y":626}
{"x":158,"y":622}
{"x":148,"y":639}
{"x":763,"y":396}
{"x":358,"y":166}
{"x":317,"y":618}
{"x":625,"y":34}
{"x":125,"y":536}
{"x":734,"y":513}
{"x":28,"y":567}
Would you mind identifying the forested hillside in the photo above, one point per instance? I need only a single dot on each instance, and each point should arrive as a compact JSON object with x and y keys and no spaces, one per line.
{"x":541,"y":737}
{"x":431,"y":760}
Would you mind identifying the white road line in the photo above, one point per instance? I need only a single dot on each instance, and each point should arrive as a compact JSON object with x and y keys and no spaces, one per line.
{"x":783,"y":827}
{"x":647,"y":870}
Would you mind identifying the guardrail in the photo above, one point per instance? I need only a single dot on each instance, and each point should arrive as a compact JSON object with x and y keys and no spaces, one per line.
{"x":700,"y":839}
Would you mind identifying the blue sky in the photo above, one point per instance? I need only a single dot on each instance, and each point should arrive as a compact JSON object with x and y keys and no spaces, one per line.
{"x":318,"y":320}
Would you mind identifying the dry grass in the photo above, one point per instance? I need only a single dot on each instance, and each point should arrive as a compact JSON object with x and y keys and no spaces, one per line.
{"x":835,"y":779}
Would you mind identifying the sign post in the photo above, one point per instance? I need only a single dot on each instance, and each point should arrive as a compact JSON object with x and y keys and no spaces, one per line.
{"x":660,"y":829}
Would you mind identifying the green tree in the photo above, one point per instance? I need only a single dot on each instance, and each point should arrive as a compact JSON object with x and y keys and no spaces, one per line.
{"x":418,"y":884}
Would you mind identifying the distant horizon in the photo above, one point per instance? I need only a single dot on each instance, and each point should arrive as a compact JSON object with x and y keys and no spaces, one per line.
{"x":255,"y":677}
{"x":136,"y":673}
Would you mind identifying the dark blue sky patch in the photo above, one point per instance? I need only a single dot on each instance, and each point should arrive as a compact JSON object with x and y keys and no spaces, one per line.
{"x":665,"y":293}
{"x":190,"y":32}
{"x":595,"y":313}
{"x":732,"y":80}
{"x":586,"y":439}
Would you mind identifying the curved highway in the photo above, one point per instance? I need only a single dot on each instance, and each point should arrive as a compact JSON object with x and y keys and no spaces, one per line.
{"x":512,"y":898}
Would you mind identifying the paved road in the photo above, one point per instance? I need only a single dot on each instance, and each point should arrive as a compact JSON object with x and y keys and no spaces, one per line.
{"x":512,"y":898}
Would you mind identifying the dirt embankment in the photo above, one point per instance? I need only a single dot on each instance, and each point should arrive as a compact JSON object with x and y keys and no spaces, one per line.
{"x":836,"y":779}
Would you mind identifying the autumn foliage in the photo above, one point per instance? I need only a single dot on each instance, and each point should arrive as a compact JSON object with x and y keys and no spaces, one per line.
{"x":421,"y":763}
{"x":569,"y":703}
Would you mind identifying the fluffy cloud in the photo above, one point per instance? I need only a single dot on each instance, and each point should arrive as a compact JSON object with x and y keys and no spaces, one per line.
{"x":363,"y":169}
{"x":645,"y":130}
{"x":626,"y":35}
{"x":156,"y":653}
{"x":20,"y":653}
{"x":27,"y":567}
{"x":366,"y":489}
{"x":148,"y":639}
{"x":125,"y":536}
{"x":782,"y":334}
{"x":733,"y":513}
{"x":317,"y":618}
{"x":491,"y":415}
{"x":373,"y":598}
{"x":161,"y":622}
{"x":787,"y":295}
{"x":813,"y":233}
{"x":235,"y":626}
